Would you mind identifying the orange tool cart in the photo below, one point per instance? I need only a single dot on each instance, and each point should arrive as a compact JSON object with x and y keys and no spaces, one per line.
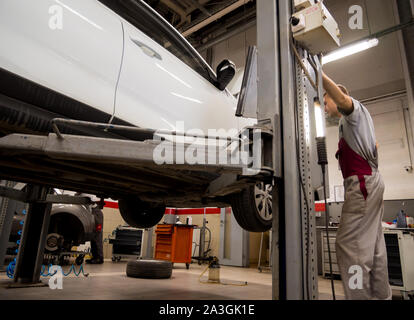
{"x":174,"y":243}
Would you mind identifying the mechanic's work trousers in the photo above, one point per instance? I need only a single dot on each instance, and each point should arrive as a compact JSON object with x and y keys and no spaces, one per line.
{"x":97,"y":245}
{"x":360,"y":244}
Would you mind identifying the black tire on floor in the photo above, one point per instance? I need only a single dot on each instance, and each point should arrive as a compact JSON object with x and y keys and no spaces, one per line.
{"x":140,"y":214}
{"x":250,"y":215}
{"x":149,"y":269}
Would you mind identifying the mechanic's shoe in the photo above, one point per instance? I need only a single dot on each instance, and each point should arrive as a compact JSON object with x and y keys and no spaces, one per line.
{"x":95,"y":261}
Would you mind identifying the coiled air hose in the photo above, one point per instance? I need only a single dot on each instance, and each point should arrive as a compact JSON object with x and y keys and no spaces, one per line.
{"x":45,"y":273}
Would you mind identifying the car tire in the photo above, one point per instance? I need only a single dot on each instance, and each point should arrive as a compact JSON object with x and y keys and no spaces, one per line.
{"x":149,"y":269}
{"x":140,"y":214}
{"x":252,"y":207}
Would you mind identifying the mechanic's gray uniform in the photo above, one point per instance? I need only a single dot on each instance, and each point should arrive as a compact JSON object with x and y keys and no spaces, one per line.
{"x":360,"y":244}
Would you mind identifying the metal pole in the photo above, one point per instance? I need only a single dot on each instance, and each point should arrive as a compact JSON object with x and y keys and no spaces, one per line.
{"x":297,"y":153}
{"x":260,"y":253}
{"x":148,"y":243}
{"x":277,"y":293}
{"x":269,"y":113}
{"x":292,"y":195}
{"x":202,"y":238}
{"x":407,"y":52}
{"x":7,"y":210}
{"x":32,"y":245}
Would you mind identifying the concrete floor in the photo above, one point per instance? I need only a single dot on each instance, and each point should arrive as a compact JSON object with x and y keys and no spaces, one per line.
{"x":109,"y":281}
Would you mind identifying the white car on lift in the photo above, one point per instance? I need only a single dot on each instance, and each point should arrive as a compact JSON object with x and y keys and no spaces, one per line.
{"x":114,"y":62}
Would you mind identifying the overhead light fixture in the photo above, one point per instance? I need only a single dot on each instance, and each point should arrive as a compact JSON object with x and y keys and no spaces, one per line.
{"x":350,"y":50}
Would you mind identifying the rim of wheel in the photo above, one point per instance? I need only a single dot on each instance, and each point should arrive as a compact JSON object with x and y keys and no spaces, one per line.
{"x":263,"y":199}
{"x":52,"y":242}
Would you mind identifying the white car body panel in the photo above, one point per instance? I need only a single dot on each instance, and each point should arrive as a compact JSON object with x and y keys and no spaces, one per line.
{"x":156,"y":93}
{"x":93,"y":60}
{"x":82,"y":60}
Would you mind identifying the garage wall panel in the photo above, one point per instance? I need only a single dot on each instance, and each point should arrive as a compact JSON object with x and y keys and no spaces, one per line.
{"x":213,"y":223}
{"x":235,"y":48}
{"x":112,"y":219}
{"x":220,"y":53}
{"x":393,"y":148}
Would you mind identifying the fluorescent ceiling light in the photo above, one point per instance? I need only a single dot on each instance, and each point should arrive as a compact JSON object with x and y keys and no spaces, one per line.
{"x":349,"y":50}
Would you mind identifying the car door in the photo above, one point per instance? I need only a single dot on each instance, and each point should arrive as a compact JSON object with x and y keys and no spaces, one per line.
{"x":164,"y":80}
{"x":73,"y":47}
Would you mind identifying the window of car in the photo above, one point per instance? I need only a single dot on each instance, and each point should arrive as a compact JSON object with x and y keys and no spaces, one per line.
{"x":148,"y":22}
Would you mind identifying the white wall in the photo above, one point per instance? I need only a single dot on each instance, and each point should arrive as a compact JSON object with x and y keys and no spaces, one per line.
{"x":112,"y":219}
{"x":393,"y":149}
{"x":234,"y":49}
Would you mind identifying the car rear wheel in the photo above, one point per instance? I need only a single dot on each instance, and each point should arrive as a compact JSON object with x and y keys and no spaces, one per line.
{"x":252,"y":207}
{"x":140,"y":214}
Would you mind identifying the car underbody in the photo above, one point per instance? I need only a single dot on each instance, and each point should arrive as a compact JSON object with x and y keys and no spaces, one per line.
{"x":114,"y":168}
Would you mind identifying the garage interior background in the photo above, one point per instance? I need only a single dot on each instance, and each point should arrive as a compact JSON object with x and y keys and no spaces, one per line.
{"x":376,"y":77}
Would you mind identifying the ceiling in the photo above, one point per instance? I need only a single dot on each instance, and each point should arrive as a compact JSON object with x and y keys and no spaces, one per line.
{"x":201,"y":20}
{"x":374,"y":72}
{"x":181,"y":13}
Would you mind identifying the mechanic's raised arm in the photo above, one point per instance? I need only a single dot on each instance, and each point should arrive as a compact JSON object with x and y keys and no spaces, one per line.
{"x":343,"y":101}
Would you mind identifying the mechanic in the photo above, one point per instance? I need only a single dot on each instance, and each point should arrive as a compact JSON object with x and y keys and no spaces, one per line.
{"x":360,"y":243}
{"x":97,"y":238}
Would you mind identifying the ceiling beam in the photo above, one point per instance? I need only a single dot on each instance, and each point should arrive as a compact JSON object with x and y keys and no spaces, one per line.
{"x":214,"y":17}
{"x":179,"y":10}
{"x":227,"y":35}
{"x":200,"y":7}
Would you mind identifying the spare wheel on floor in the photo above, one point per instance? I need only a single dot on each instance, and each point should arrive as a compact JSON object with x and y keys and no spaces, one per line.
{"x":150,"y":269}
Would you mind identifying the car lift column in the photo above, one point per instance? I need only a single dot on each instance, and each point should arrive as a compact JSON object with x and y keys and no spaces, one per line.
{"x":32,"y":245}
{"x":294,"y":259}
{"x":7,"y":210}
{"x":269,"y":115}
{"x":293,"y":271}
